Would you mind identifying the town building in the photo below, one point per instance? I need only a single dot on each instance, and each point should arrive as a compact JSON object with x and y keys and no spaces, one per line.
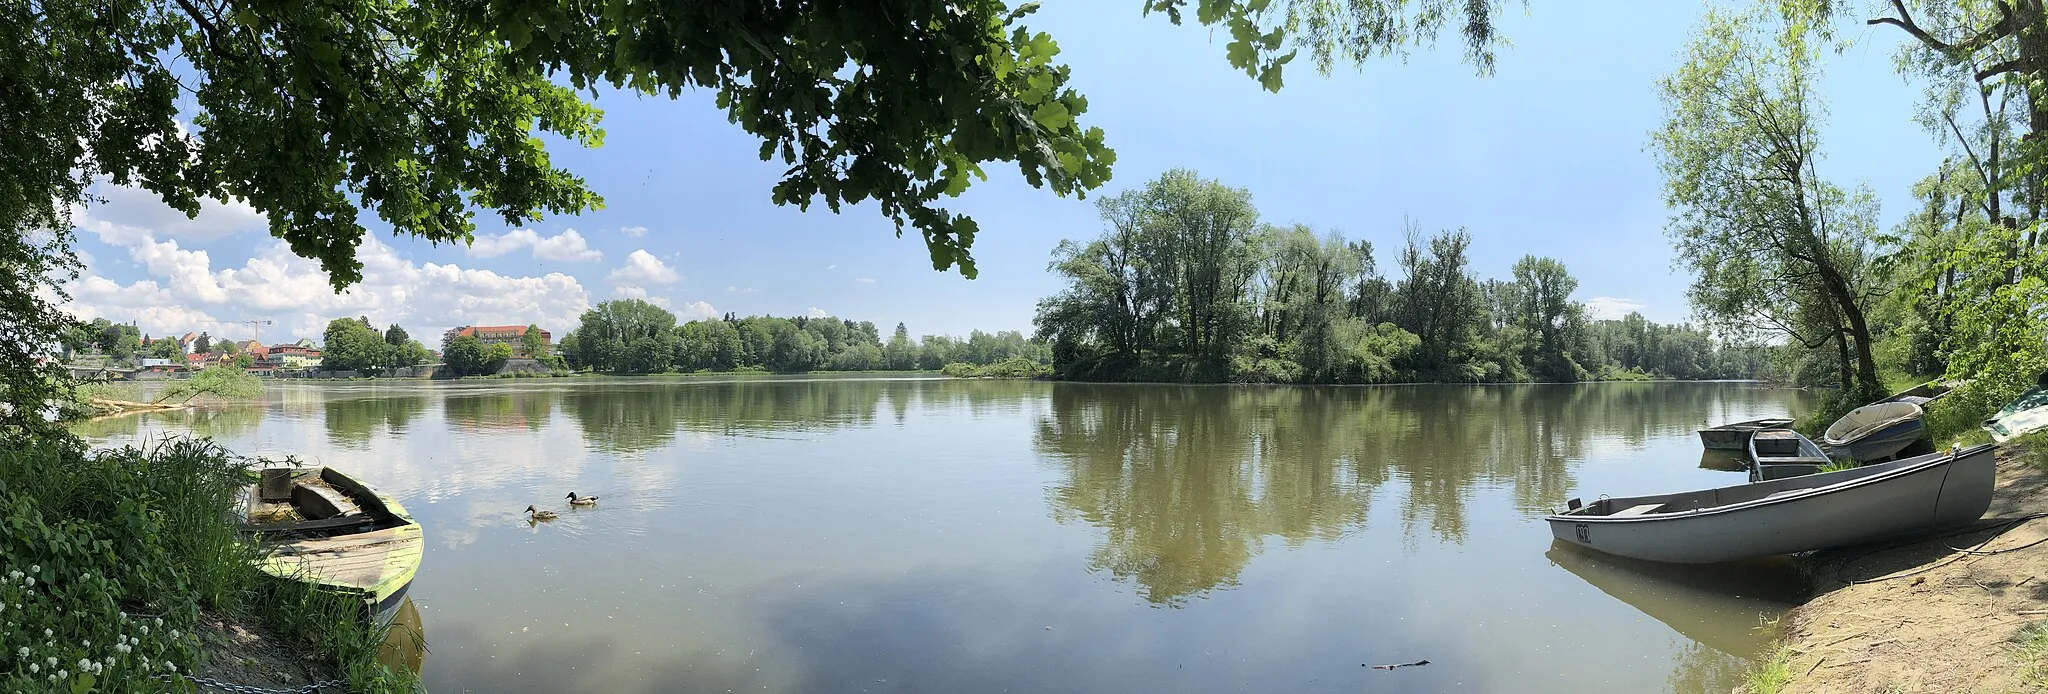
{"x":292,"y":356}
{"x":513,"y":336}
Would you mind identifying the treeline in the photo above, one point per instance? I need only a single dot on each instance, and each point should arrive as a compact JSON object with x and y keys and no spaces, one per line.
{"x":1187,"y":284}
{"x":630,"y":336}
{"x":1779,"y":248}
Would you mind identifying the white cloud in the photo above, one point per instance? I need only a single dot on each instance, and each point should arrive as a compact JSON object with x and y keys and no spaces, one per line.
{"x":833,"y":266}
{"x":568,"y":246}
{"x":138,"y":209}
{"x":183,"y":291}
{"x":864,"y":280}
{"x":643,"y":268}
{"x":738,"y":290}
{"x":634,"y":231}
{"x":1611,"y":308}
{"x":816,"y":312}
{"x":695,"y":310}
{"x":628,"y":291}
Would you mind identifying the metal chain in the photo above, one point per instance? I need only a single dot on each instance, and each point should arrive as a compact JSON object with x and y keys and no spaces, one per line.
{"x":210,"y":683}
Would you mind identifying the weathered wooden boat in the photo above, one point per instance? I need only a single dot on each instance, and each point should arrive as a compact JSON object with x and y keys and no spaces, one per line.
{"x":1794,"y":514}
{"x":1882,"y":429}
{"x":1735,"y":437}
{"x":2024,"y":415}
{"x":324,"y":527}
{"x":1781,"y":453}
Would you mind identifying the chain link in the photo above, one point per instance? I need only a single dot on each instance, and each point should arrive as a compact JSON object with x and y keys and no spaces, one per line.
{"x":210,"y":683}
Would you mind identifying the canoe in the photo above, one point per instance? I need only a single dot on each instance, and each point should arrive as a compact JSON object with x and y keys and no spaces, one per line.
{"x":1876,"y":431}
{"x":1735,"y":437}
{"x":321,"y":526}
{"x":1781,"y":453}
{"x":2024,"y":415}
{"x":1795,"y":514}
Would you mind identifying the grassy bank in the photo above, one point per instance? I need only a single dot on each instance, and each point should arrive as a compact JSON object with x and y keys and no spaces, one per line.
{"x":109,"y":559}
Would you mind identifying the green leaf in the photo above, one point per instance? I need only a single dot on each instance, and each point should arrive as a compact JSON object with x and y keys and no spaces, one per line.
{"x":1053,"y":115}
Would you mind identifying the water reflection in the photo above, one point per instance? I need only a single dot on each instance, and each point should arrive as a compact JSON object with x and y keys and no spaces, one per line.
{"x":353,"y":419}
{"x":214,"y":421}
{"x":1718,"y":605}
{"x":525,"y":408}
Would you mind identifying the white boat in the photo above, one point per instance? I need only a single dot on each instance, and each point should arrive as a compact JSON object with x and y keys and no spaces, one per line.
{"x":1795,"y":514}
{"x":1781,"y":453}
{"x":1881,"y":429}
{"x":2024,"y":415}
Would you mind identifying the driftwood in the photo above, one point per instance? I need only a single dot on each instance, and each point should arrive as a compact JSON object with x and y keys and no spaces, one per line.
{"x":1395,"y":665}
{"x":119,"y":407}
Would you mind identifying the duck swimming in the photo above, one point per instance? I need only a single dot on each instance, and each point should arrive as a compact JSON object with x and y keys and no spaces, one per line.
{"x":575,"y":500}
{"x":540,"y":515}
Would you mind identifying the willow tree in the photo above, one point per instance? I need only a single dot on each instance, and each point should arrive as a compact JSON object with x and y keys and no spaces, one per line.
{"x":1773,"y":245}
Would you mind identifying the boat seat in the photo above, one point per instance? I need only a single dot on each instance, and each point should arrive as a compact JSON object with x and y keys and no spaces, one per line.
{"x":1636,"y":511}
{"x":317,"y":503}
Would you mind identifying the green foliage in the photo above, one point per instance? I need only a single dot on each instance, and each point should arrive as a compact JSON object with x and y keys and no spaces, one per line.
{"x":350,"y":344}
{"x":412,"y":353}
{"x":469,"y":356}
{"x":396,"y":336}
{"x":166,"y":348}
{"x":1017,"y":367}
{"x":1265,"y":37}
{"x":2030,"y":646}
{"x":202,"y":344}
{"x":1775,"y":249}
{"x":625,"y":336}
{"x":532,"y":343}
{"x":1771,"y":673}
{"x":1173,"y":291}
{"x":220,"y":382}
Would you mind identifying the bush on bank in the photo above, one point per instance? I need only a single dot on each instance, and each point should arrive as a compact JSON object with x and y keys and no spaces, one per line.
{"x":108,"y":558}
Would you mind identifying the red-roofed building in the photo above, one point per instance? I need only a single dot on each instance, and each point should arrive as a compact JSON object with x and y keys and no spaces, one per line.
{"x":509,"y":335}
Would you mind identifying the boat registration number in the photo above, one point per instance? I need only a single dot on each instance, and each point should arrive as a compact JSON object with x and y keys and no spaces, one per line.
{"x":1585,"y":532}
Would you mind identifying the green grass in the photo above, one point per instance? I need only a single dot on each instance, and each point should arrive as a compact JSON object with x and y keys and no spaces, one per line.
{"x":2030,"y":647}
{"x":1770,"y":674}
{"x":1017,"y":367}
{"x":107,"y":559}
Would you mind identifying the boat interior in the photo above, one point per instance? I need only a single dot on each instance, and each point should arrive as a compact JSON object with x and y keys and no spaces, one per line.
{"x":1681,"y":502}
{"x":302,"y":503}
{"x":1785,"y":446}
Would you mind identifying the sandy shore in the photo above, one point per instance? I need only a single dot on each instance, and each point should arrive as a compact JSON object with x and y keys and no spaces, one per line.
{"x":1924,"y":617}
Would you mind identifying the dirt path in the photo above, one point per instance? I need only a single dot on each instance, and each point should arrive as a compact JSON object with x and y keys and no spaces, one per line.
{"x":244,"y":652}
{"x":1923,"y":617}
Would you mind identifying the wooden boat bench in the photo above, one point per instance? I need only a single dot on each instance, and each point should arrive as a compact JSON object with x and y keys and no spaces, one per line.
{"x":1636,"y":510}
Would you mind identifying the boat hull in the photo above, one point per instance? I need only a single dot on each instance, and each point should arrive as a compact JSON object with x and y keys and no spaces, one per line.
{"x":1735,"y":437}
{"x":1882,"y":443}
{"x":1820,"y":511}
{"x":379,"y":565}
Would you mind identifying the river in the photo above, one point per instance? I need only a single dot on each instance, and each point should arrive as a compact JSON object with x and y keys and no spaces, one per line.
{"x":873,"y":534}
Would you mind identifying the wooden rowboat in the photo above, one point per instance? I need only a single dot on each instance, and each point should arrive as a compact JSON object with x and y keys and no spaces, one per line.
{"x":326,"y":528}
{"x":1735,"y":437}
{"x":1795,"y":514}
{"x":1882,"y":429}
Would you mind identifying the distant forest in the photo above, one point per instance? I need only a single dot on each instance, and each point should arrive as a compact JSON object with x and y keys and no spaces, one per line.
{"x":630,"y":336}
{"x":1187,"y":284}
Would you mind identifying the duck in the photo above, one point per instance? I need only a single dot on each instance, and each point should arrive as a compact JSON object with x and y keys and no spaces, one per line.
{"x":575,"y":500}
{"x":540,"y":515}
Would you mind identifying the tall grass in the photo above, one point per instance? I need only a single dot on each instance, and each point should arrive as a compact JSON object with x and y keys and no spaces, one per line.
{"x":108,"y":557}
{"x":1771,"y":674}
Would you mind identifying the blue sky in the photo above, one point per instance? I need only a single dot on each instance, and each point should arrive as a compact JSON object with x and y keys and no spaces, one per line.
{"x":1545,"y":157}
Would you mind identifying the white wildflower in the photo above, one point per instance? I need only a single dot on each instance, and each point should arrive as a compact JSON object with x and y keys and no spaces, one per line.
{"x":62,"y":674}
{"x":23,"y":652}
{"x":47,"y":633}
{"x":174,"y":633}
{"x":52,"y":660}
{"x":159,"y":621}
{"x":87,"y":576}
{"x":88,"y":643}
{"x":124,"y":615}
{"x":145,"y":630}
{"x":31,"y":581}
{"x":170,"y":666}
{"x":35,"y":568}
{"x":35,"y":668}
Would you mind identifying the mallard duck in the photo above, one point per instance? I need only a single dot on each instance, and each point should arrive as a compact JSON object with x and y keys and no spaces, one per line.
{"x":540,"y":515}
{"x":575,"y":500}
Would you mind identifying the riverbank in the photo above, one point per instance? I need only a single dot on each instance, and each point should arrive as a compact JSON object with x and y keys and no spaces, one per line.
{"x":127,"y":566}
{"x":1924,"y":617}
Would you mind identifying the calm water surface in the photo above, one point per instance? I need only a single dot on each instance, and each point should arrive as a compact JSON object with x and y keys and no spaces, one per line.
{"x":924,"y":535}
